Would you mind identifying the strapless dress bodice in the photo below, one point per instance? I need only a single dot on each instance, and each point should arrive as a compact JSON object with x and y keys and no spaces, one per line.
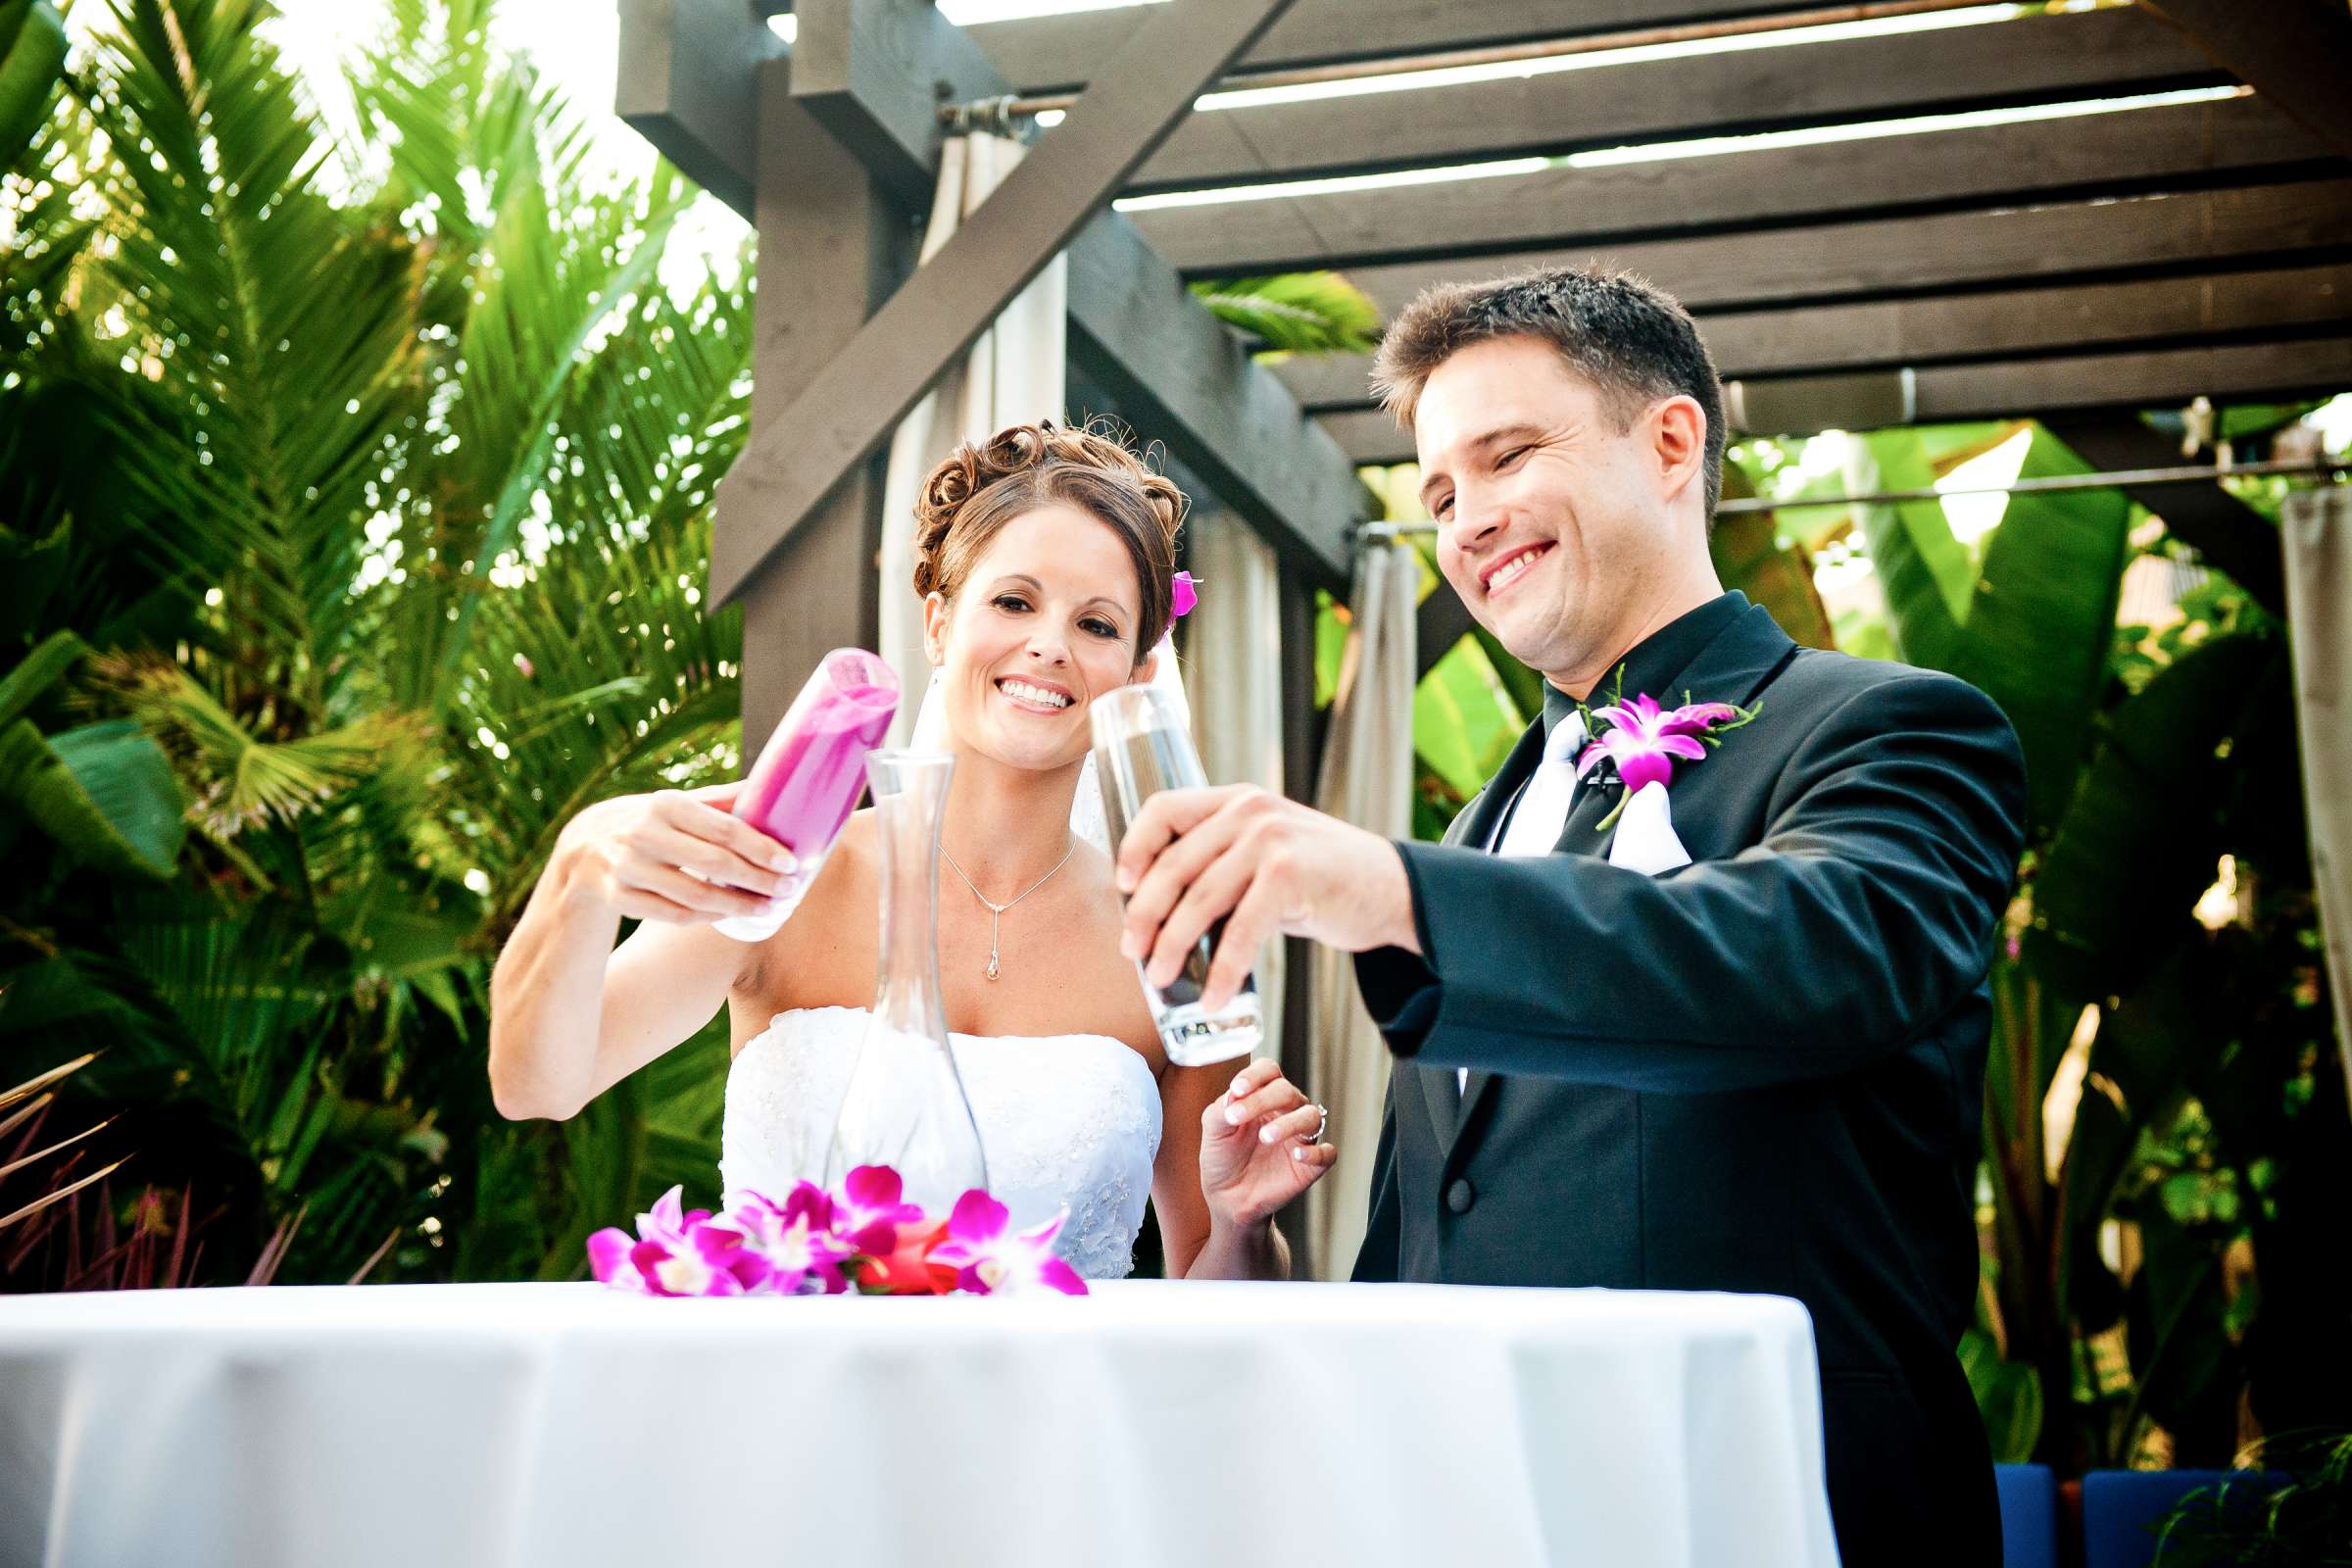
{"x":1065,"y":1121}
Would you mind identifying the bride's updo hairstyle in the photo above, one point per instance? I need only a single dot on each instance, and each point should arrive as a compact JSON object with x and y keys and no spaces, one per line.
{"x":980,"y":488}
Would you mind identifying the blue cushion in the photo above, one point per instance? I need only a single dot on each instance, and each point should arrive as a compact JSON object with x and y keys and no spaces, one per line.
{"x":2120,"y":1507}
{"x":2029,"y":1514}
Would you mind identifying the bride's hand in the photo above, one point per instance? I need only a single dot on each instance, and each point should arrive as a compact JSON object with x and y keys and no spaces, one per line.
{"x":1258,"y":1147}
{"x":673,"y":855}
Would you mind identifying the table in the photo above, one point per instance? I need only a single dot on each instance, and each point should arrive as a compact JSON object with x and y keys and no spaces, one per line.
{"x":1150,"y":1424}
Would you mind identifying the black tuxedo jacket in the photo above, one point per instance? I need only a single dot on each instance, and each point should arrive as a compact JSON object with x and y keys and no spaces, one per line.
{"x":1763,"y":1072}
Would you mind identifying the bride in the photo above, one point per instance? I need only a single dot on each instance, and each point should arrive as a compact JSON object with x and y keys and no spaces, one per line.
{"x":1045,"y":560}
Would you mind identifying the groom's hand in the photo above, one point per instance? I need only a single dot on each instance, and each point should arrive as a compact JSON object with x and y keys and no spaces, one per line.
{"x":1264,"y":866}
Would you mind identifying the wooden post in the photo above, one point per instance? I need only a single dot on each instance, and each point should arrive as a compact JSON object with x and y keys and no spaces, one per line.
{"x":1301,"y":753}
{"x":832,"y":248}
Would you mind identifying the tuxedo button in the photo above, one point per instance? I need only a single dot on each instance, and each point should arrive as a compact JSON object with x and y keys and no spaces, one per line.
{"x":1460,"y":1195}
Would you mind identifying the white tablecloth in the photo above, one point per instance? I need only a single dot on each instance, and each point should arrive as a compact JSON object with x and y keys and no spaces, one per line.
{"x":1150,"y":1424}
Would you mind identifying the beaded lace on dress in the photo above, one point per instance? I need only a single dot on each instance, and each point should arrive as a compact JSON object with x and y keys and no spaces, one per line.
{"x":1064,"y":1120}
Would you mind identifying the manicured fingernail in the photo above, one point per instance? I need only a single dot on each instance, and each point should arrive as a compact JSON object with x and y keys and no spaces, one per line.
{"x":1265,"y":1135}
{"x":782,"y":860}
{"x":1299,"y":1154}
{"x":1126,"y":944}
{"x":1233,"y":1115}
{"x":1125,"y":880}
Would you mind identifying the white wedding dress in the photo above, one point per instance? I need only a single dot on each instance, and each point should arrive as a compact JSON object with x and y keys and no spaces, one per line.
{"x":1065,"y":1121}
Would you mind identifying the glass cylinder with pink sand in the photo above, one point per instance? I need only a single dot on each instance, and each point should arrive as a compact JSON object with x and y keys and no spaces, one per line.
{"x":810,"y":772}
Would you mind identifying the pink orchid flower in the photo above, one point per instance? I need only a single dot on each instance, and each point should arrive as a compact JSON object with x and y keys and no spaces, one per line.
{"x":991,"y":1260}
{"x":1643,"y":740}
{"x":869,"y":1208}
{"x":797,"y":1249}
{"x":676,"y":1253}
{"x":1187,"y":597}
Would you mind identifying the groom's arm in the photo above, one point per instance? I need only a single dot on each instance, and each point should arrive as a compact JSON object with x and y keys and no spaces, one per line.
{"x":1865,"y":913}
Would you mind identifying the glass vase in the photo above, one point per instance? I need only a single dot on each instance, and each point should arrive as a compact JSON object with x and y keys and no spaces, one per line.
{"x":905,"y":1105}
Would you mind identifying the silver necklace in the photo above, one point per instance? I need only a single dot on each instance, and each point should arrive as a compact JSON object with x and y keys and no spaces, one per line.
{"x":995,"y":911}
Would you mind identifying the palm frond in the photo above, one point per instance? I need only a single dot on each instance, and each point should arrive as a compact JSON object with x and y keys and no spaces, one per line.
{"x":551,"y":287}
{"x":33,"y":57}
{"x":285,"y":330}
{"x":241,"y":780}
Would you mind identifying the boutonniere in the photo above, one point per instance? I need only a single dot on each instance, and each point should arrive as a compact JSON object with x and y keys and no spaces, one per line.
{"x":1639,"y":748}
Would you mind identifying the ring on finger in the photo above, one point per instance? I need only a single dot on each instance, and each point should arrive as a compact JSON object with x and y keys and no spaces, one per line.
{"x":1316,"y":1136}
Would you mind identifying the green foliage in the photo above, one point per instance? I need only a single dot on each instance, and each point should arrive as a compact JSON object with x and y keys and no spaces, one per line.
{"x":1295,"y":312}
{"x":2243,"y":1523}
{"x":381,"y":504}
{"x":33,"y":57}
{"x":2149,"y":758}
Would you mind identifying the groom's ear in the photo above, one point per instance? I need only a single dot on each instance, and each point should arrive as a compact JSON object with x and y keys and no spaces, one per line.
{"x":935,"y":628}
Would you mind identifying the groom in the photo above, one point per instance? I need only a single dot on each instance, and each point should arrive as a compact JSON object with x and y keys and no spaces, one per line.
{"x":1730,"y":1038}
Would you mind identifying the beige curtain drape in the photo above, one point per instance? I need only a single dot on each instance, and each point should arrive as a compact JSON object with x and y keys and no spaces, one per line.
{"x":1016,"y":372}
{"x":1233,"y":678}
{"x":1367,"y":778}
{"x":2315,"y":533}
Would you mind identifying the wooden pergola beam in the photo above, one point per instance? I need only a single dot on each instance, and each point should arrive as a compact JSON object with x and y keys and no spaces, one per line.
{"x":874,"y":72}
{"x":2109,"y":154}
{"x":1904,"y":255}
{"x":1042,"y":53}
{"x":1960,"y":326}
{"x":847,"y":410}
{"x":687,"y":83}
{"x":2296,"y":53}
{"x":2041,"y":59}
{"x":1177,"y":375}
{"x":1182,"y":377}
{"x":2156,"y":378}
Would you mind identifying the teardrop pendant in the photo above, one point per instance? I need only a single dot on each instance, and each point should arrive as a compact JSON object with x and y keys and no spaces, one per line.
{"x":992,"y":966}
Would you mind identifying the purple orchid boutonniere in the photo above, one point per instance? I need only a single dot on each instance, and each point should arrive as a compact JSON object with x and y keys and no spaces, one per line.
{"x":1640,"y":748}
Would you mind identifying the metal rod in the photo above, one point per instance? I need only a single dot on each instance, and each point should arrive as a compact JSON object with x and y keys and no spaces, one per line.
{"x":2116,"y":478}
{"x":962,"y":116}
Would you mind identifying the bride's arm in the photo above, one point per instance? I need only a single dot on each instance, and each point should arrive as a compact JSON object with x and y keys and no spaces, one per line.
{"x":570,"y":1014}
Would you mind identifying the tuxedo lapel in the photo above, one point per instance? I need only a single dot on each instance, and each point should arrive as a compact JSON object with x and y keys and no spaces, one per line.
{"x":1474,"y":827}
{"x":1734,"y":668}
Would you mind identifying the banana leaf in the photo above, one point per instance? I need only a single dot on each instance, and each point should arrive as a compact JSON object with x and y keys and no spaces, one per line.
{"x":1465,"y":721}
{"x":2034,"y":628}
{"x":2008,"y":1396}
{"x":1751,"y":558}
{"x":2143,"y":837}
{"x":1923,"y":571}
{"x":2040,"y":629}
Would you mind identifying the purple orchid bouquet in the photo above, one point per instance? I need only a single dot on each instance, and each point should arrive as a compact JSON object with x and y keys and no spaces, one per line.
{"x":866,"y":1238}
